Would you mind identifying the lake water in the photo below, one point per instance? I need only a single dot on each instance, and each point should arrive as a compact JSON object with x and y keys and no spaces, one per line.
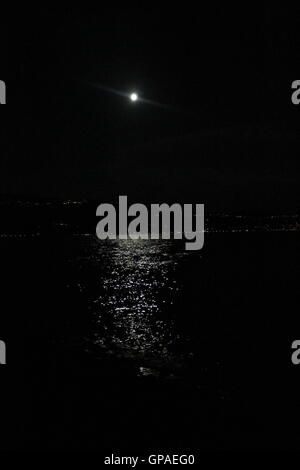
{"x":191,"y":348}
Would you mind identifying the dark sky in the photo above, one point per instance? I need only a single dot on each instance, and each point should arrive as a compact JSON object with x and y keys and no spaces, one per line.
{"x":232,"y":141}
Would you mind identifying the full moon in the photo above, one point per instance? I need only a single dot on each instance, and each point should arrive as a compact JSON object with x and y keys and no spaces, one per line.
{"x":134,"y":97}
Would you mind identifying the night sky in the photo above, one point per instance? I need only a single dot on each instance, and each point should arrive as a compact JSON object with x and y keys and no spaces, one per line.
{"x":230,"y":138}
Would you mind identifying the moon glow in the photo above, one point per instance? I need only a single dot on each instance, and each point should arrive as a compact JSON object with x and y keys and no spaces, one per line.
{"x":134,"y":97}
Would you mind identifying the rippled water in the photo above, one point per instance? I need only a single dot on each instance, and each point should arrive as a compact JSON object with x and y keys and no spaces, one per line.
{"x":136,"y":287}
{"x":179,"y":333}
{"x":139,"y":285}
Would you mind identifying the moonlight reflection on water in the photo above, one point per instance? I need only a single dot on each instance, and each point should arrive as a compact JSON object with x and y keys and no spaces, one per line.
{"x":139,"y":287}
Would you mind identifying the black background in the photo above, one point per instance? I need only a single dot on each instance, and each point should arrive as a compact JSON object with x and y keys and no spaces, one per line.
{"x":230,"y":140}
{"x":227,"y":72}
